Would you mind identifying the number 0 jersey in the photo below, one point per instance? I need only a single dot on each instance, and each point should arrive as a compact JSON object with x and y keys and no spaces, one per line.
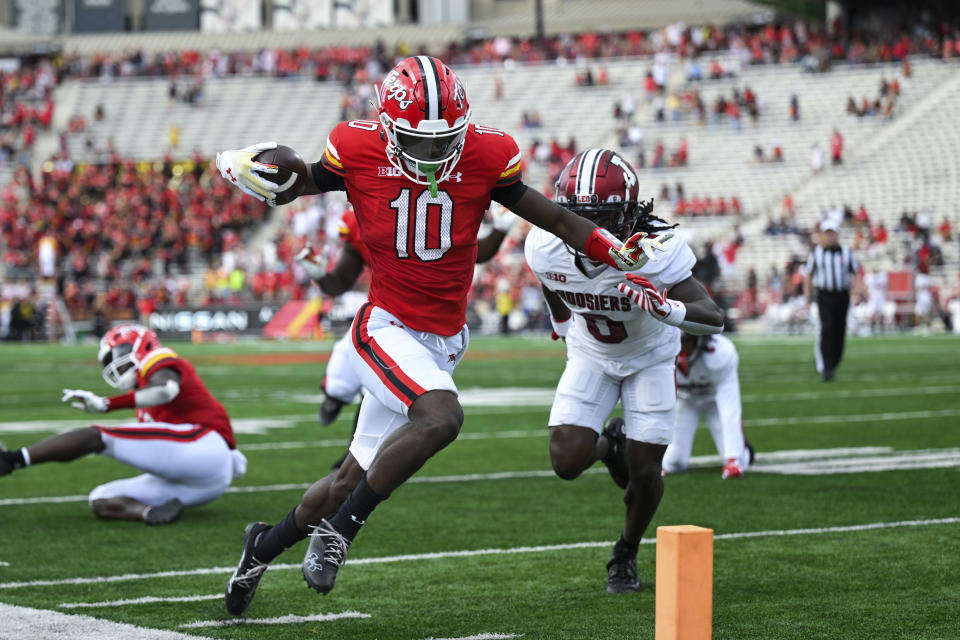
{"x":607,"y":325}
{"x":422,"y":247}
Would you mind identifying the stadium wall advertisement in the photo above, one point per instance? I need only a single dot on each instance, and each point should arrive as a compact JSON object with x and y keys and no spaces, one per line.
{"x":241,"y":320}
{"x":97,"y":16}
{"x":172,"y":15}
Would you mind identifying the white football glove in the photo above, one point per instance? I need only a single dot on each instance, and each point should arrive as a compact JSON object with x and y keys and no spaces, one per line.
{"x":237,"y":166}
{"x":503,"y":218}
{"x":87,"y":400}
{"x":313,"y":263}
{"x":654,"y":302}
{"x":639,"y":249}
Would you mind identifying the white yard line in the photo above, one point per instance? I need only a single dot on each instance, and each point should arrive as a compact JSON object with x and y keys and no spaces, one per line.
{"x":143,"y":600}
{"x":289,"y":619}
{"x":4,"y":564}
{"x":862,"y":417}
{"x":23,"y":622}
{"x":792,"y":461}
{"x":483,"y":636}
{"x":417,"y":557}
{"x":851,"y":393}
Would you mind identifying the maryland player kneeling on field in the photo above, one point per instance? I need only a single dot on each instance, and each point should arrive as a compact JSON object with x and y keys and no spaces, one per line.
{"x":182,"y":440}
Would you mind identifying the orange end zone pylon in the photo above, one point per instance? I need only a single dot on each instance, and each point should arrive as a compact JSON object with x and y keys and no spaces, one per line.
{"x":684,"y":583}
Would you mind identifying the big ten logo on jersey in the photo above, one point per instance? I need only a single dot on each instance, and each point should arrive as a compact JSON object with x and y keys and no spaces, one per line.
{"x":389,"y":172}
{"x":558,"y":277}
{"x":394,"y":172}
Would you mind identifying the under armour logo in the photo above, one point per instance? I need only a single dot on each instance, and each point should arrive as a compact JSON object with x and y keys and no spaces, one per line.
{"x":456,"y":177}
{"x":312,"y":562}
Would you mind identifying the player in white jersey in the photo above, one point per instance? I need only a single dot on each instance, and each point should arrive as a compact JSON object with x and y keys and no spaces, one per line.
{"x":622,"y":340}
{"x":708,"y":386}
{"x":923,"y":306}
{"x":876,"y":282}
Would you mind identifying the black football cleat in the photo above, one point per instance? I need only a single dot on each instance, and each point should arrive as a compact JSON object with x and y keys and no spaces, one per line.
{"x":616,"y":458}
{"x":243,"y":583}
{"x":169,"y":511}
{"x":330,"y":409}
{"x":325,"y":555}
{"x":622,"y":575}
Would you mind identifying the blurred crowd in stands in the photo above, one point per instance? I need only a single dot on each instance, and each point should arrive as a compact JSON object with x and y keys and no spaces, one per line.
{"x":772,"y":43}
{"x":114,"y":234}
{"x":26,"y":106}
{"x":119,"y":239}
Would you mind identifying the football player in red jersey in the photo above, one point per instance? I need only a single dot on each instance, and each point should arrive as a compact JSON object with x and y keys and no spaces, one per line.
{"x":341,"y":385}
{"x":420,"y":178}
{"x":183,"y":442}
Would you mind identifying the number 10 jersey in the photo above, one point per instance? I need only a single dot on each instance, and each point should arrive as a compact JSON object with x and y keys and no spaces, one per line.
{"x":608,"y":328}
{"x":422,"y":247}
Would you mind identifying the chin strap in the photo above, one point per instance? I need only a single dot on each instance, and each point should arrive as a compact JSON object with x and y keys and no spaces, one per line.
{"x":430,"y":170}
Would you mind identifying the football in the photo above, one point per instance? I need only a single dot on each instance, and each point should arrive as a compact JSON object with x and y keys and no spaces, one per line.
{"x":291,"y":175}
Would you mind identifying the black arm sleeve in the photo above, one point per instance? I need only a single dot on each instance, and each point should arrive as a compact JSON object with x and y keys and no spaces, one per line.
{"x":325,"y":179}
{"x":508,"y":195}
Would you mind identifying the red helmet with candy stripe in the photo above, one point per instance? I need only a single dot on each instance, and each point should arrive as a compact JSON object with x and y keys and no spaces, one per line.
{"x":600,"y":185}
{"x":424,"y":112}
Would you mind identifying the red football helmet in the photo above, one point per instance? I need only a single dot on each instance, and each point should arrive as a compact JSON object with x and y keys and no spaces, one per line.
{"x":122,"y":349}
{"x":600,"y":185}
{"x":425,"y":113}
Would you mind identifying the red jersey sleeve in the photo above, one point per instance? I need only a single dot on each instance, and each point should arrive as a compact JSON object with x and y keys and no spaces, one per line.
{"x":509,"y":159}
{"x":156,"y":360}
{"x":331,"y":155}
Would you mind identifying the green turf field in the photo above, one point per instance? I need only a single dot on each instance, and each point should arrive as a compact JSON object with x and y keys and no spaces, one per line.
{"x":880,"y":446}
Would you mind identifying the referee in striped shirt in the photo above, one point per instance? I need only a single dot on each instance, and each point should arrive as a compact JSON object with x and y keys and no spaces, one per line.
{"x":833,"y":270}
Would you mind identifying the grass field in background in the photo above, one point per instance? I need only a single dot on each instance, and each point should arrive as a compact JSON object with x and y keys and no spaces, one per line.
{"x":881,"y":444}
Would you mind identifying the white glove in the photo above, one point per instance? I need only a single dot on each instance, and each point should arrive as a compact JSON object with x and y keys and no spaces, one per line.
{"x":313,"y":263}
{"x":88,"y":400}
{"x":237,"y":166}
{"x":503,"y":218}
{"x":654,"y":302}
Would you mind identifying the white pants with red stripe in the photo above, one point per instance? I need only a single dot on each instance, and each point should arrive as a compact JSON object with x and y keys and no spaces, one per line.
{"x":183,"y":461}
{"x":396,"y":365}
{"x":340,"y":381}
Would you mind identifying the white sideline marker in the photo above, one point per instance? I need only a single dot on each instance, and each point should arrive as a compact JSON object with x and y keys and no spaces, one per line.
{"x":481,"y":552}
{"x":289,"y":619}
{"x":24,"y":622}
{"x":143,"y":600}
